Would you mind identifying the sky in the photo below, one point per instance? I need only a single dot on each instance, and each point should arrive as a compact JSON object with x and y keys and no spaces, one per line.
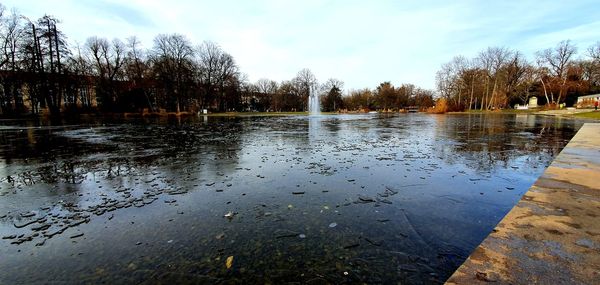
{"x":362,"y":43}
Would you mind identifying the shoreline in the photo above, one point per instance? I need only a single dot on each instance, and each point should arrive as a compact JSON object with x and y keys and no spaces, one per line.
{"x":551,"y":235}
{"x":585,"y":114}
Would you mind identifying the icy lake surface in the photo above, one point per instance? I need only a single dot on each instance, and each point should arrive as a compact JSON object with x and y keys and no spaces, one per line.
{"x":338,"y":199}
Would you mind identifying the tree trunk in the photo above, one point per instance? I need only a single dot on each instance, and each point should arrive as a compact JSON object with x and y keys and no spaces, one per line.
{"x":59,"y":67}
{"x":471,"y":97}
{"x":484,"y":101}
{"x":545,"y":91}
{"x":491,"y":101}
{"x":561,"y":91}
{"x":481,"y":103}
{"x":459,"y":99}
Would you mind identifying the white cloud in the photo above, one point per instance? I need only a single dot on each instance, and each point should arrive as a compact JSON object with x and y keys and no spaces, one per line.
{"x":362,"y":43}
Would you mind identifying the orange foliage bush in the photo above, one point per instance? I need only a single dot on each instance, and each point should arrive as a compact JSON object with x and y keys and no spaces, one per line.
{"x":441,"y":107}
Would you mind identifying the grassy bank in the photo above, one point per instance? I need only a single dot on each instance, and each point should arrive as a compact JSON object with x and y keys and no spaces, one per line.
{"x":594,"y":115}
{"x":589,"y":115}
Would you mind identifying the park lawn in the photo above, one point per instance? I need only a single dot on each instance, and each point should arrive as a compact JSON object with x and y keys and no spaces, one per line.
{"x":589,"y":115}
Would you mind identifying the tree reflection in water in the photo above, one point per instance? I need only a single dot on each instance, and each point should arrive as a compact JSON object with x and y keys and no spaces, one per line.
{"x":143,"y":199}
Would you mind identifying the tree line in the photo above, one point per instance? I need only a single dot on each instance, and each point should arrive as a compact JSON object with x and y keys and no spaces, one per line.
{"x":499,"y":77}
{"x":386,"y":97}
{"x":110,"y":75}
{"x":39,"y":70}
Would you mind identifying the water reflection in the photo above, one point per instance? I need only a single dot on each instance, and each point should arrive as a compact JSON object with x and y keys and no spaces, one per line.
{"x":487,"y":142}
{"x":313,"y":199}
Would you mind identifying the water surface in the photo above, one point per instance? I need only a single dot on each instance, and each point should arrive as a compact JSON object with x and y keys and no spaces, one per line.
{"x":339,"y":199}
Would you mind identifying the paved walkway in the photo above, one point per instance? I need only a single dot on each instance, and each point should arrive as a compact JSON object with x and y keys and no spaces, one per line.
{"x":552,"y":236}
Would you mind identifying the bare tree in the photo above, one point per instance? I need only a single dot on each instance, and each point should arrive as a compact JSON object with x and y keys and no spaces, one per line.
{"x":557,"y":61}
{"x":288,"y":97}
{"x":266,"y":89}
{"x":458,"y":66}
{"x":528,"y":79}
{"x":218,"y":72}
{"x":172,"y":57}
{"x":228,"y":97}
{"x":108,"y":59}
{"x":332,"y":99}
{"x":248,"y":93}
{"x":515,"y":72}
{"x":208,"y":54}
{"x":11,"y":36}
{"x":444,"y":80}
{"x":32,"y":62}
{"x":332,"y":83}
{"x":136,"y":66}
{"x":52,"y":43}
{"x":592,"y":67}
{"x":136,"y":71}
{"x":594,"y":51}
{"x":81,"y":69}
{"x":305,"y":82}
{"x":492,"y":60}
{"x":266,"y":86}
{"x":452,"y":83}
{"x":423,"y":98}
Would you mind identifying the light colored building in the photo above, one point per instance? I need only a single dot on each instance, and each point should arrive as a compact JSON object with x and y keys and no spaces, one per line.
{"x":587,"y":101}
{"x":533,"y":102}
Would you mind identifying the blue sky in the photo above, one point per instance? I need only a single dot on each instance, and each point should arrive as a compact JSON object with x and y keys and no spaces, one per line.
{"x":362,"y":43}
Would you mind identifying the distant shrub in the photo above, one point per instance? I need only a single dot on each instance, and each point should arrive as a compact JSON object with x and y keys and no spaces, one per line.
{"x":441,"y":107}
{"x":550,"y":106}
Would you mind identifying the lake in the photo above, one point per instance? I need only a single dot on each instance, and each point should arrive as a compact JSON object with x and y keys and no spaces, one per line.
{"x":315,"y":199}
